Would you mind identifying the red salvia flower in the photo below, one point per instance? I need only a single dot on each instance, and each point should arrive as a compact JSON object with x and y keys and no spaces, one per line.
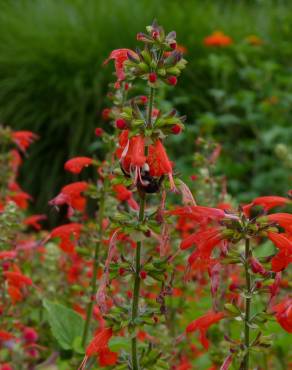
{"x":23,"y":139}
{"x":15,"y":160}
{"x":71,"y":195}
{"x":284,"y":257}
{"x":123,"y":142}
{"x":132,"y":154}
{"x":76,"y":165}
{"x":207,"y":240}
{"x":69,"y":235}
{"x":7,"y":255}
{"x":18,"y":196}
{"x":283,"y":313}
{"x":120,"y":56}
{"x":201,"y":214}
{"x":203,"y":323}
{"x":99,"y":347}
{"x":34,"y":220}
{"x":17,"y":279}
{"x":5,"y":335}
{"x":158,"y":162}
{"x":267,"y":202}
{"x":218,"y":38}
{"x":125,"y":195}
{"x":257,"y":267}
{"x":282,"y":219}
{"x":14,"y":294}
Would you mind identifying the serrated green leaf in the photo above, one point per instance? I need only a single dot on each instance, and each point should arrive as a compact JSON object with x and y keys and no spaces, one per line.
{"x":66,"y":324}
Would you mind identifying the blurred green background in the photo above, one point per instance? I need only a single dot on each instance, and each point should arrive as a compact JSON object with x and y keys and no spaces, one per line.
{"x":52,"y":82}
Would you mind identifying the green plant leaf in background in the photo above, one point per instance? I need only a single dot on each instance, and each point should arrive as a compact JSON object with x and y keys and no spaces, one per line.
{"x":65,"y":323}
{"x":118,"y":343}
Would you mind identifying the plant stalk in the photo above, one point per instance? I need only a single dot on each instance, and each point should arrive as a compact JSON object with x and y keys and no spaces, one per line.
{"x":150,"y":107}
{"x":135,"y":303}
{"x":93,"y":284}
{"x":247,"y":305}
{"x":137,"y":282}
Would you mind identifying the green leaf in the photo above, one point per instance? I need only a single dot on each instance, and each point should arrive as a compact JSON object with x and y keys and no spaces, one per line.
{"x":66,"y":324}
{"x":118,"y":343}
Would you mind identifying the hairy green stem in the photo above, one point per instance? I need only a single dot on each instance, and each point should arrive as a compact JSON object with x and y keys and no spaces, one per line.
{"x":93,"y":284}
{"x":136,"y":294}
{"x":150,"y":107}
{"x":247,"y":305}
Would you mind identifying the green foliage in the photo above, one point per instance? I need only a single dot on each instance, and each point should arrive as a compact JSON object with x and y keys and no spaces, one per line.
{"x":52,"y":80}
{"x":65,"y":323}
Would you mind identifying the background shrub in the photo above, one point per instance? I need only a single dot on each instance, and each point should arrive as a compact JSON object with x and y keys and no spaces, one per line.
{"x":52,"y":82}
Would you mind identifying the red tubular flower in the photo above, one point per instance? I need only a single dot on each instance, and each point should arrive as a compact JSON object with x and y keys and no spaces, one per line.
{"x":17,"y":279}
{"x":257,"y":267}
{"x":120,"y":56}
{"x":125,"y":195}
{"x":23,"y":139}
{"x":203,"y":323}
{"x":15,"y":160}
{"x":267,"y":203}
{"x":200,"y":238}
{"x":69,"y":235}
{"x":6,"y":366}
{"x":7,"y":255}
{"x":201,"y":214}
{"x":159,"y":163}
{"x":34,"y":220}
{"x":207,"y":240}
{"x":184,"y":365}
{"x":282,"y":219}
{"x":123,"y":142}
{"x":283,"y":313}
{"x":76,"y":165}
{"x":71,"y":195}
{"x":99,"y":346}
{"x":5,"y":335}
{"x":284,"y":257}
{"x":14,"y":294}
{"x":132,"y":158}
{"x":18,"y":196}
{"x":218,"y":38}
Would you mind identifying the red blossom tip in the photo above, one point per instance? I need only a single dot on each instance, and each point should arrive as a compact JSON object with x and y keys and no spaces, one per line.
{"x":172,"y":80}
{"x":121,"y":124}
{"x":152,"y":78}
{"x":176,"y":129}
